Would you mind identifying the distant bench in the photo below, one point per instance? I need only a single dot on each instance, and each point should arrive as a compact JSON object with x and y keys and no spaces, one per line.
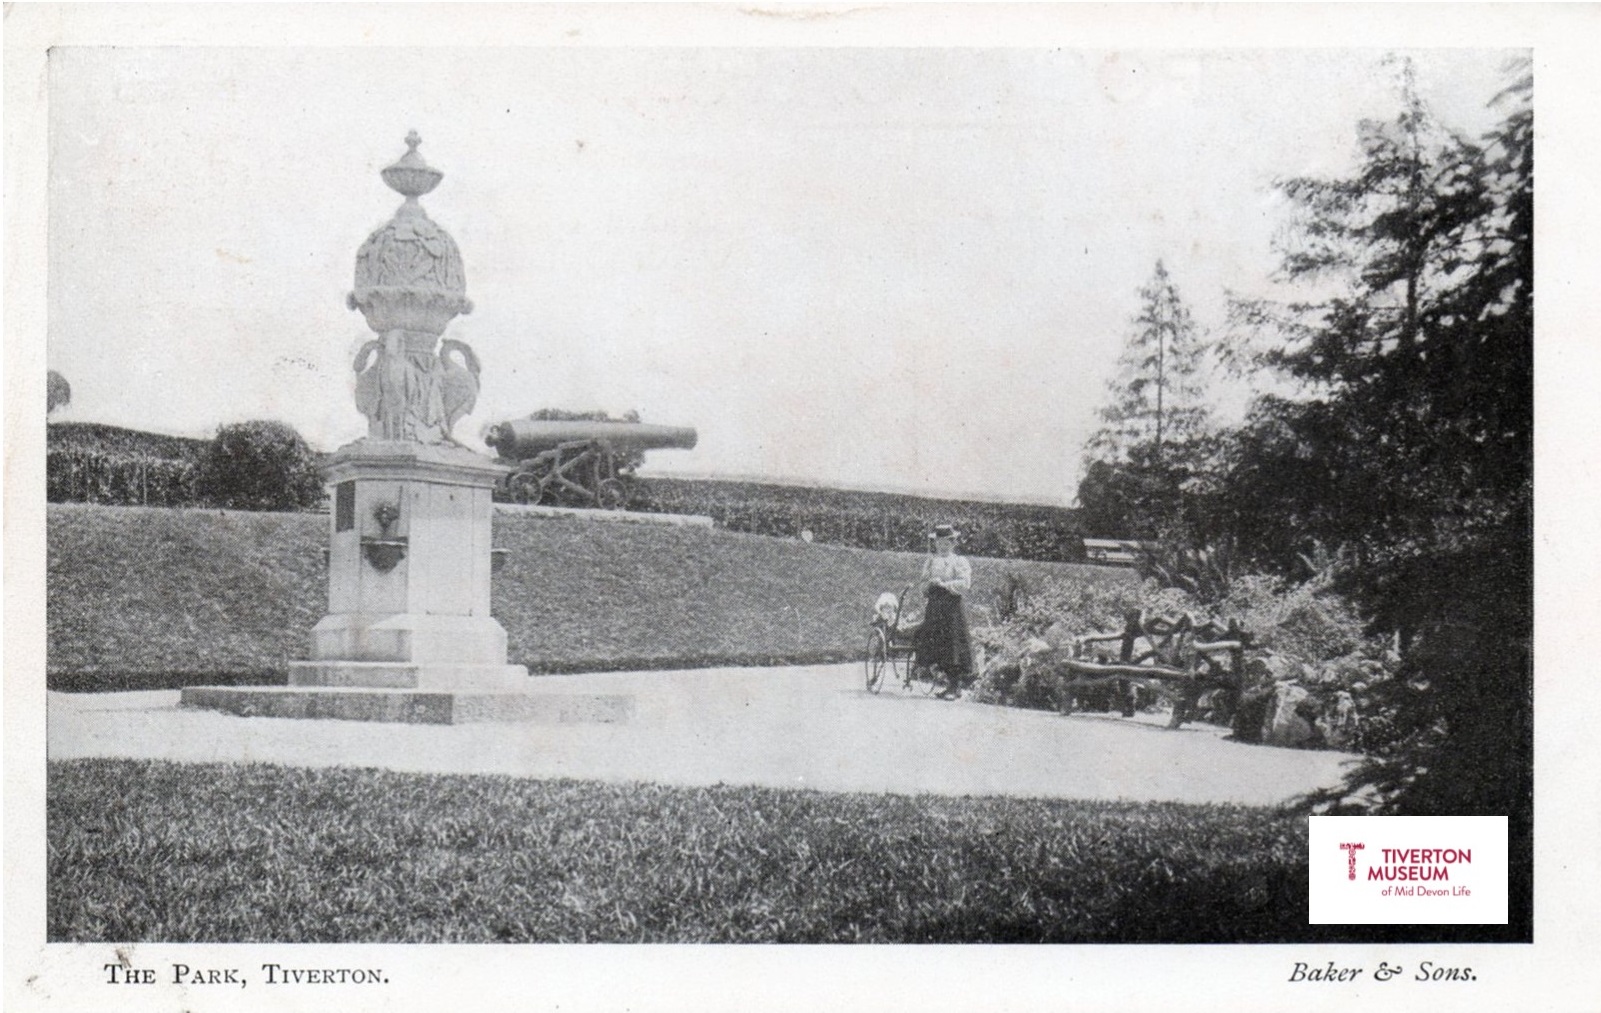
{"x":1114,"y":552}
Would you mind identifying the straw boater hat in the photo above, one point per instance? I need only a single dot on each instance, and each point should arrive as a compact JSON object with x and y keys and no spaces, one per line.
{"x":944,"y":531}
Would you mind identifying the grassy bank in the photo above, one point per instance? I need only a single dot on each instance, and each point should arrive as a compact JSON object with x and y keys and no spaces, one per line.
{"x":144,"y":597}
{"x":213,"y":853}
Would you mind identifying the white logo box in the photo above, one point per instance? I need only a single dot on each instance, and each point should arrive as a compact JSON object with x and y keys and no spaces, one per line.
{"x":1407,"y":870}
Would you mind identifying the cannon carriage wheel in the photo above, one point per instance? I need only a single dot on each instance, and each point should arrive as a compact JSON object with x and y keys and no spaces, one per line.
{"x":611,"y":494}
{"x":579,"y":473}
{"x":525,"y":487}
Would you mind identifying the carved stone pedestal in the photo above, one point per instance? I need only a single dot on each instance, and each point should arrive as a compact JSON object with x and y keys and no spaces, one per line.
{"x":409,"y":566}
{"x":408,"y":636}
{"x":408,"y":621}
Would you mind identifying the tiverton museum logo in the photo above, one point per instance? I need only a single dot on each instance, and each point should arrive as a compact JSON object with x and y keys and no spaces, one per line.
{"x":1405,"y":870}
{"x":1350,"y":857}
{"x":1410,"y":864}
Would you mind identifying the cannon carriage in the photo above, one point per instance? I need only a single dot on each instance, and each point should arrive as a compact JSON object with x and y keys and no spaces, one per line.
{"x":578,"y":463}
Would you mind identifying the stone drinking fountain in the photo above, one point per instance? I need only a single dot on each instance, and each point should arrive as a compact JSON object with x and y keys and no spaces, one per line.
{"x":408,"y":635}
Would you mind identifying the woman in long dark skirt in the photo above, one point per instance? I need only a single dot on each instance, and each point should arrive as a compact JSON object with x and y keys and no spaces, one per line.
{"x":944,"y":645}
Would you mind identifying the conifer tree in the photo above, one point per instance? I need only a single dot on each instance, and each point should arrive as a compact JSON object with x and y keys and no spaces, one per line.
{"x":1413,"y":413}
{"x":1153,"y":445}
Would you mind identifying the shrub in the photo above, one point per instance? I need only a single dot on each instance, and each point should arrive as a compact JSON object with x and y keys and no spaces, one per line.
{"x":1305,"y":632}
{"x":1011,"y":595}
{"x":1205,"y":572}
{"x":1080,"y":606}
{"x":1305,"y":621}
{"x":1036,"y":686}
{"x":260,"y":465}
{"x":1049,"y":610}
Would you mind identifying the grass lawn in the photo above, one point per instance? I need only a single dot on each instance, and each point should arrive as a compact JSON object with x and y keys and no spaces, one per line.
{"x":142,"y":597}
{"x":151,"y":851}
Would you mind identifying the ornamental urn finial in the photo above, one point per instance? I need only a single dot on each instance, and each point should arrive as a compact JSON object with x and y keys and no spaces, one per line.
{"x":410,"y":176}
{"x":409,"y":274}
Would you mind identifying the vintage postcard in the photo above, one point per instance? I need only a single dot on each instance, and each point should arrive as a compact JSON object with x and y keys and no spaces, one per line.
{"x":950,"y":507}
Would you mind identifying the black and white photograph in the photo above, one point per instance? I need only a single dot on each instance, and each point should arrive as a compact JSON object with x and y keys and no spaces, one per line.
{"x":921,"y":499}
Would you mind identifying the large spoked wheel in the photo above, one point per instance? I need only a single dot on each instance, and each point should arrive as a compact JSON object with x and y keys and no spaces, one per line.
{"x":526,"y":488}
{"x":611,"y":494}
{"x":877,"y":660}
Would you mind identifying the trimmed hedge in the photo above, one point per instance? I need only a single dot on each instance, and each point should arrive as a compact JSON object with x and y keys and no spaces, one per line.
{"x":887,"y":522}
{"x":252,"y":465}
{"x":91,"y":463}
{"x":86,"y":462}
{"x":117,"y":441}
{"x":86,"y":475}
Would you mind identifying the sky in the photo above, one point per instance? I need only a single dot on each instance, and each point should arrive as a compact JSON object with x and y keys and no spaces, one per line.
{"x":908,"y":269}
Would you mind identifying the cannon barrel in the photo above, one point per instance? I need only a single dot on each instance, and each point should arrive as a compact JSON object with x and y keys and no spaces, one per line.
{"x":522,"y":438}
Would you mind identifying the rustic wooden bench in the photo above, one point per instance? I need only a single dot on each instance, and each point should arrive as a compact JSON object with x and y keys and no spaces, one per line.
{"x":1184,"y":656}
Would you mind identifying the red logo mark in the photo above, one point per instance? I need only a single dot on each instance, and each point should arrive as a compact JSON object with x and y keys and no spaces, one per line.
{"x":1350,"y":858}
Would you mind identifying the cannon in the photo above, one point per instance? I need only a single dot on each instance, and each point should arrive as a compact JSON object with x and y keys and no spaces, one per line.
{"x":577,"y":462}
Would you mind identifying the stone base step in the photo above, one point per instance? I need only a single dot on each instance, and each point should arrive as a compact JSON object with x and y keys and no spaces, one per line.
{"x":402,"y":675}
{"x":411,"y":706}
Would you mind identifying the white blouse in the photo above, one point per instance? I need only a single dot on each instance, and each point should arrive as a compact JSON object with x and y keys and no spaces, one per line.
{"x":953,"y":570}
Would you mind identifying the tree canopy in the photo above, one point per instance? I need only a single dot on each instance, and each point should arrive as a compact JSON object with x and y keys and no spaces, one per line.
{"x":57,"y":392}
{"x":1408,"y":338}
{"x":1415,"y":413}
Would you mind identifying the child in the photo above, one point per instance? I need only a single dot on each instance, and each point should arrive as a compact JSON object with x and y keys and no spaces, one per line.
{"x":885,"y":608}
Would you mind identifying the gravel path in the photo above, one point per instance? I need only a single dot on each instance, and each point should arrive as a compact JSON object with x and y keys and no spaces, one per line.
{"x":803,"y":727}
